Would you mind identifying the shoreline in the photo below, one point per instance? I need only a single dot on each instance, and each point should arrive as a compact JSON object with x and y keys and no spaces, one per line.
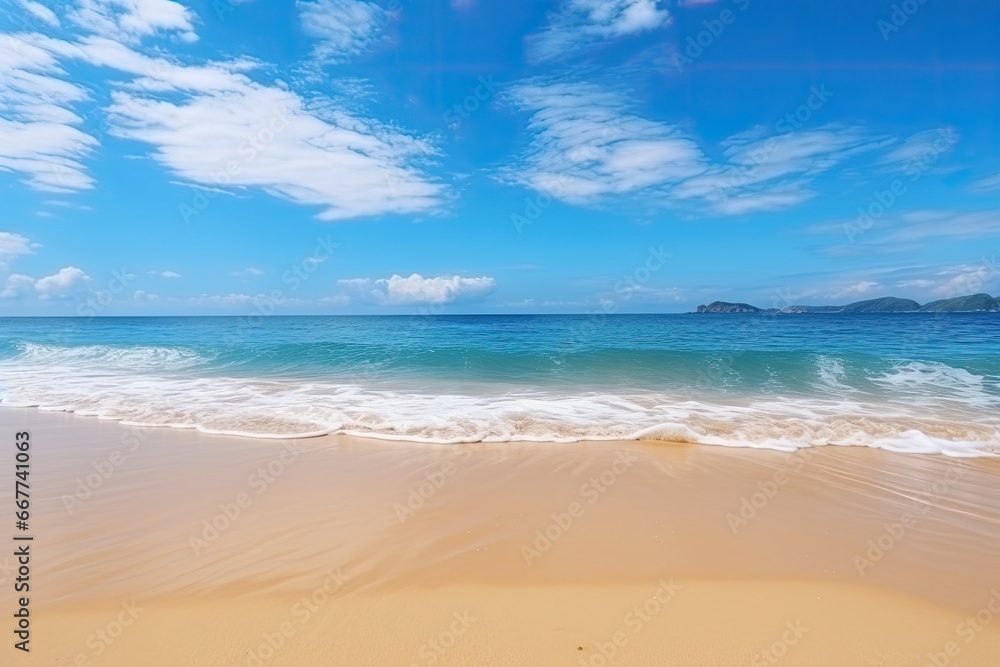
{"x":216,"y":536}
{"x":931,"y":440}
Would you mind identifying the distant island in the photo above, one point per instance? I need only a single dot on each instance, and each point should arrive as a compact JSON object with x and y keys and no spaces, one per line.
{"x":974,"y":303}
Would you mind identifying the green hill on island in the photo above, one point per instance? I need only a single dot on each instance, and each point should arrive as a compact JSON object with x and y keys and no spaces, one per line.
{"x":726,"y":307}
{"x":888,"y":304}
{"x":974,"y":303}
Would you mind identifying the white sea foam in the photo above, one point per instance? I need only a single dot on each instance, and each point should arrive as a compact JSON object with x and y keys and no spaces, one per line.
{"x":101,"y":382}
{"x":832,"y":375}
{"x":930,"y":382}
{"x":144,"y":358}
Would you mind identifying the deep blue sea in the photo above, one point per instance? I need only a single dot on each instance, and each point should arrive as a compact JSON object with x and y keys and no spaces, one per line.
{"x":908,"y":382}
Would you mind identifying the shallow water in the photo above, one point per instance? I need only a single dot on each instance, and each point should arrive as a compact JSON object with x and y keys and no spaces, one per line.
{"x":906,"y":382}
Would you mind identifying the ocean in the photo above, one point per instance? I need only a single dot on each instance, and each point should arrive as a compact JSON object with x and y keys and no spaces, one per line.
{"x":914,"y":382}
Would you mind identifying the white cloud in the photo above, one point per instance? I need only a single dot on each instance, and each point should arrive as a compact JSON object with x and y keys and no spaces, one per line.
{"x":41,"y":12}
{"x":218,"y":129}
{"x":66,"y":204}
{"x":922,"y":282}
{"x":763,"y":170}
{"x":250,"y":271}
{"x":921,"y":225}
{"x":988,"y":184}
{"x":14,"y":245}
{"x":61,"y":282}
{"x":587,"y":145}
{"x":156,"y":74}
{"x":906,"y":230}
{"x":752,"y":202}
{"x":17,"y":285}
{"x":417,"y":290}
{"x":920,"y":150}
{"x":343,"y":27}
{"x":40,"y":130}
{"x":793,"y":152}
{"x":164,"y":274}
{"x":917,"y":283}
{"x":583,"y":22}
{"x":232,"y":132}
{"x":265,"y":138}
{"x":857,"y":289}
{"x":964,"y":279}
{"x":132,"y":20}
{"x":145,"y":297}
{"x":204,"y":188}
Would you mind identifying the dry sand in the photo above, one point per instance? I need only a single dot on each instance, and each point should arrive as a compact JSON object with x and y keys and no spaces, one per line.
{"x":169,"y":547}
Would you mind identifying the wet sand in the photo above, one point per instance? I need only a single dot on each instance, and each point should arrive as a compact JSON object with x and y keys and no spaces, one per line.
{"x":166,"y":547}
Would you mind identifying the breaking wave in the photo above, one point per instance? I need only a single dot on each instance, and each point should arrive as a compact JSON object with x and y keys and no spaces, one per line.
{"x":925,"y":407}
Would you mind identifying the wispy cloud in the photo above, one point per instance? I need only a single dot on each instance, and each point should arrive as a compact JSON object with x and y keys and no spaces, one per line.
{"x":946,"y":280}
{"x":42,"y":139}
{"x":767,"y":170}
{"x":346,"y":166}
{"x":265,"y":137}
{"x":580,"y":23}
{"x":342,"y":27}
{"x":988,"y":184}
{"x":164,"y":274}
{"x":204,"y":188}
{"x":920,"y":282}
{"x":964,"y":280}
{"x":132,"y":20}
{"x":857,"y":289}
{"x":589,"y":145}
{"x":220,"y":129}
{"x":41,"y":12}
{"x":907,"y":230}
{"x":921,"y":149}
{"x":211,"y":125}
{"x":586,"y":145}
{"x":249,"y":272}
{"x":417,"y":290}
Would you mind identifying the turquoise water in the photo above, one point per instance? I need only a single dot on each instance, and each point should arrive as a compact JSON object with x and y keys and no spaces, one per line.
{"x":912,"y":382}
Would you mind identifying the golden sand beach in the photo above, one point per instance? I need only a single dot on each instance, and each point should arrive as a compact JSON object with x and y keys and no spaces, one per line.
{"x":172,"y":547}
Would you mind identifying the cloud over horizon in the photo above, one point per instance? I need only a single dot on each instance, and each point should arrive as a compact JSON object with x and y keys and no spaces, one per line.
{"x":417,"y":290}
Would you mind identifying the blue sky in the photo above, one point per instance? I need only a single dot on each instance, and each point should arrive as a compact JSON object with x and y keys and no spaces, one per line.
{"x":466,"y":156}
